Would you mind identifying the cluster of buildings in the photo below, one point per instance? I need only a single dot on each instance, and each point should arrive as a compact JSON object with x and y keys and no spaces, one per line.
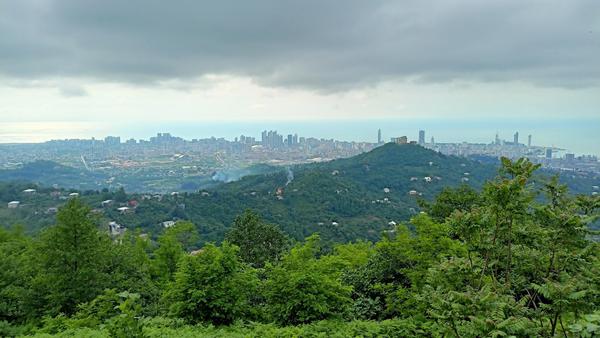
{"x":171,"y":160}
{"x":549,"y":157}
{"x":271,"y":139}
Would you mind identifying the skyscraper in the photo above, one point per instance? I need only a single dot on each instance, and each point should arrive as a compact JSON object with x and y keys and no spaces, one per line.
{"x":421,"y":137}
{"x":112,"y":140}
{"x":379,"y":136}
{"x":529,"y":141}
{"x":516,"y":139}
{"x":264,"y":138}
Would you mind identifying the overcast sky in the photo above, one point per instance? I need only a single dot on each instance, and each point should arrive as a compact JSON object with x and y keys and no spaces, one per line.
{"x":141,"y":61}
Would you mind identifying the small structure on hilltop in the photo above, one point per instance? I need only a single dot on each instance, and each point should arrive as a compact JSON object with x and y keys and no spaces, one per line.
{"x":168,"y":224}
{"x":279,"y":193}
{"x":74,"y":195}
{"x":124,"y":210}
{"x":13,"y":204}
{"x":196,"y":252}
{"x":116,"y":229}
{"x":29,"y":191}
{"x":399,"y":140}
{"x":107,"y":203}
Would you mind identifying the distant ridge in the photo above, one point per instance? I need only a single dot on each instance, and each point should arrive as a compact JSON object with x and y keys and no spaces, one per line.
{"x":345,"y":199}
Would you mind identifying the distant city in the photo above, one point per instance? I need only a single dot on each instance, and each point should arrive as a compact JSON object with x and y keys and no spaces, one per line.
{"x":172,"y":155}
{"x":548,"y":156}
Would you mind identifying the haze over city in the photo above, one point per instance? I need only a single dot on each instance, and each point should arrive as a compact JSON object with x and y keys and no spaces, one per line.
{"x":71,"y":69}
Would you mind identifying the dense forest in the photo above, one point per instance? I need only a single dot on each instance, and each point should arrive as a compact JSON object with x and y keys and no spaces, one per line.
{"x":343,"y":200}
{"x":516,"y":258}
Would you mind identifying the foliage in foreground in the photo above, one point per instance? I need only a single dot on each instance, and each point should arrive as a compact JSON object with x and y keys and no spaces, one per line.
{"x":513,"y":260}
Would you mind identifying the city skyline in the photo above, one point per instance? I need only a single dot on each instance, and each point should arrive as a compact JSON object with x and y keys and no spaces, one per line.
{"x":272,"y":147}
{"x":273,"y":139}
{"x":581,"y":136}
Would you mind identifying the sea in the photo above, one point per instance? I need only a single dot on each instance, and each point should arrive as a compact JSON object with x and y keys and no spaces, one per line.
{"x":577,"y":135}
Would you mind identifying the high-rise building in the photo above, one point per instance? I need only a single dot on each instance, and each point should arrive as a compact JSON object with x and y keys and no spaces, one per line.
{"x":529,"y":141}
{"x":290,"y":140}
{"x":264,"y":139}
{"x":432,"y":141}
{"x":516,"y":139}
{"x":570,"y":157}
{"x":497,"y":139}
{"x":421,"y":137}
{"x":379,"y":140}
{"x":112,"y":140}
{"x":549,"y":153}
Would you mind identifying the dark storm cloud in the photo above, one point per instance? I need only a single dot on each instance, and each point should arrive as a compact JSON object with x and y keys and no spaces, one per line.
{"x":319,"y":44}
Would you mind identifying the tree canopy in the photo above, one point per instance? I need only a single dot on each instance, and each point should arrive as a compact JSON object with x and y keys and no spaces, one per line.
{"x":517,"y":258}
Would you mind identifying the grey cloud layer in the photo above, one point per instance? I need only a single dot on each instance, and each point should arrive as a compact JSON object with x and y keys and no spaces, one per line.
{"x":319,"y":44}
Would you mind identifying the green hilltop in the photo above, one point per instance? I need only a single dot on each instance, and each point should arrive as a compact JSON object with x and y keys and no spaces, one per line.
{"x":345,"y":199}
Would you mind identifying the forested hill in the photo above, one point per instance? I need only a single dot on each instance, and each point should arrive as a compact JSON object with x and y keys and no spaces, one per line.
{"x":346,"y":199}
{"x":343,"y":199}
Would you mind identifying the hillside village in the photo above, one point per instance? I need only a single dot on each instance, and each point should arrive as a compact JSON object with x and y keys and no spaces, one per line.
{"x":358,"y":197}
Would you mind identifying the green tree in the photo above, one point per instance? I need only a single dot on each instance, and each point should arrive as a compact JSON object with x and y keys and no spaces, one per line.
{"x":449,"y":200}
{"x":259,"y":242}
{"x":73,"y":261}
{"x":120,"y":195}
{"x":131,"y":269}
{"x":304,"y":288}
{"x":172,"y":245}
{"x":213,"y":286}
{"x":507,"y":200}
{"x":126,"y":323}
{"x":16,"y":273}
